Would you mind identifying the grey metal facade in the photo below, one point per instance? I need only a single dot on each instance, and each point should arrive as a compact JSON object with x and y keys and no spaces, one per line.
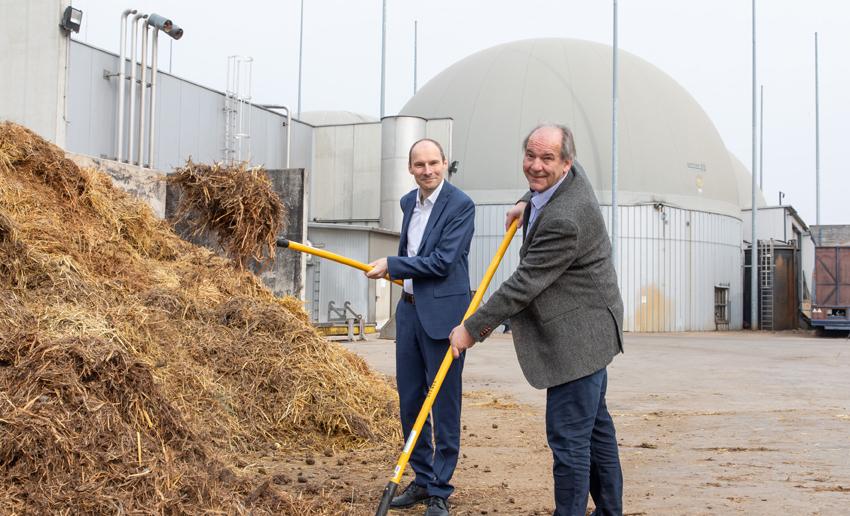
{"x":33,"y":61}
{"x":190,"y":118}
{"x":346,"y":175}
{"x":328,"y":281}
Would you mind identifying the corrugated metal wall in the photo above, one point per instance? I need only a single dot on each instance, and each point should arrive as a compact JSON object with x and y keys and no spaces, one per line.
{"x":671,"y":260}
{"x":336,"y":282}
{"x":489,"y":232}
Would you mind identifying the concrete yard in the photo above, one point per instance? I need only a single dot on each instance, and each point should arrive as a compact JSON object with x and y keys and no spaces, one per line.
{"x":708,"y":423}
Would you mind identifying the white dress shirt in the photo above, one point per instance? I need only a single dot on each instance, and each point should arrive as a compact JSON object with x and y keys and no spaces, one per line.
{"x":416,"y":228}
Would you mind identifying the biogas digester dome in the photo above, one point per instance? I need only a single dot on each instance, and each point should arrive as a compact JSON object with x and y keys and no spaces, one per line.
{"x":669,"y":149}
{"x":680,"y":230}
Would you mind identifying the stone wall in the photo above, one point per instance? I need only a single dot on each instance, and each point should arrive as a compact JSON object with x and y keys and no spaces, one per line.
{"x":144,"y":184}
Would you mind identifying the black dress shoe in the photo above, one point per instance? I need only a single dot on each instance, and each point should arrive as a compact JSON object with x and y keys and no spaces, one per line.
{"x":437,"y":507}
{"x":412,"y":494}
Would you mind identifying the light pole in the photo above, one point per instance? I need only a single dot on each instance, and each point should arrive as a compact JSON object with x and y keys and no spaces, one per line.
{"x":761,"y":138}
{"x":754,"y":268}
{"x":615,"y":219}
{"x":817,"y":142}
{"x":383,"y":56}
{"x":300,"y":56}
{"x":415,"y":51}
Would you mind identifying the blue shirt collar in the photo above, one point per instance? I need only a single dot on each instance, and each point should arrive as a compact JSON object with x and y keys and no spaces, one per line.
{"x":540,"y":199}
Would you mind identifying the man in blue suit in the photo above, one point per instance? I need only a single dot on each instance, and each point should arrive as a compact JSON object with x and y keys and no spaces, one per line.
{"x":433,"y":262}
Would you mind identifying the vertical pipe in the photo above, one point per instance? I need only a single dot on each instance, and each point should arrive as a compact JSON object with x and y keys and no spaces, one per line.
{"x":761,"y":139}
{"x":288,"y":137}
{"x":132,"y":118}
{"x":249,"y":114}
{"x":288,"y":129}
{"x":62,"y":126}
{"x":615,"y":219}
{"x":300,"y":56}
{"x":415,"y":51}
{"x":383,"y":56}
{"x":450,"y":150}
{"x":119,"y":137}
{"x":754,"y":268}
{"x":152,"y":129}
{"x":817,"y":142}
{"x":143,"y":88}
{"x":170,"y":53}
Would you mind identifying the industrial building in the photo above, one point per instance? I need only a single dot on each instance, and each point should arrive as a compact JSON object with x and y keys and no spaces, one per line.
{"x":684,"y":200}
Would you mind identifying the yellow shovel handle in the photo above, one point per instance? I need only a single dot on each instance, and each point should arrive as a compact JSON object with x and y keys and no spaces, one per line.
{"x":301,"y":248}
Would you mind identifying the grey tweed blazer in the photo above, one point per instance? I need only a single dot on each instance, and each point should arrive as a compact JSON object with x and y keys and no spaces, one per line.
{"x":563,"y":301}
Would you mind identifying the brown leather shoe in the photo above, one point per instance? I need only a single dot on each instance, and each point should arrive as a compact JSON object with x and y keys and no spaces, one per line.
{"x":412,"y":494}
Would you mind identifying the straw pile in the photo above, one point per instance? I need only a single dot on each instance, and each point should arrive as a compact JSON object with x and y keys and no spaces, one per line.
{"x":236,"y":203}
{"x":135,"y":368}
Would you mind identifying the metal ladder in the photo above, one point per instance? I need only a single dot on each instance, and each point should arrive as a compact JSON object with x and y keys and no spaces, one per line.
{"x":766,"y":273}
{"x":317,"y":284}
{"x":237,"y":110}
{"x":229,"y":128}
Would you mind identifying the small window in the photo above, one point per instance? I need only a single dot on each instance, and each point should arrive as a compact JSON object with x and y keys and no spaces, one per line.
{"x":721,"y":307}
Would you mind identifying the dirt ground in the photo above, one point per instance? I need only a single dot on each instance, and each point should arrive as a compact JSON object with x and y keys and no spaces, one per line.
{"x":718,"y":423}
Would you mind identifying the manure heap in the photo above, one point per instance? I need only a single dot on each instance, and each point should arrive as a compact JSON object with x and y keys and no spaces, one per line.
{"x":137,"y":368}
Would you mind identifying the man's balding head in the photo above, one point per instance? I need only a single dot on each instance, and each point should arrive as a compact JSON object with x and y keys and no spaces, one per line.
{"x":425,"y":141}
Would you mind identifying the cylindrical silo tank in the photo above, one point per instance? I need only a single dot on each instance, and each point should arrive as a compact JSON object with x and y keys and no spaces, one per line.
{"x":398,"y":133}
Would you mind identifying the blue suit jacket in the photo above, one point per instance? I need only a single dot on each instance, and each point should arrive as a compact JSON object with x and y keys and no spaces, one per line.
{"x":440,"y":270}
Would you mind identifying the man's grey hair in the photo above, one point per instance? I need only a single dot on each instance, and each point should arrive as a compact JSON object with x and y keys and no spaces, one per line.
{"x":417,"y":142}
{"x":568,"y":143}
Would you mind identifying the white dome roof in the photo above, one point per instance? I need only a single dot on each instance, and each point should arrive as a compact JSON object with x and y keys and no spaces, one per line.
{"x":319,"y":118}
{"x":745,"y":185}
{"x":669,"y":150}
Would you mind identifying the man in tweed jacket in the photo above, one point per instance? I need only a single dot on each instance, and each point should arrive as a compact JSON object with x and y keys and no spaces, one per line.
{"x":566,"y":317}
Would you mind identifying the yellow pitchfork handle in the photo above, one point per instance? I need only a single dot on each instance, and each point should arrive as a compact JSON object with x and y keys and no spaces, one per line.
{"x":295,"y":246}
{"x":390,"y":490}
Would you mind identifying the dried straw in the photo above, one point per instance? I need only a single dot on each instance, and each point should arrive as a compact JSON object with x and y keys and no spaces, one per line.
{"x":118,"y":341}
{"x":235,"y":203}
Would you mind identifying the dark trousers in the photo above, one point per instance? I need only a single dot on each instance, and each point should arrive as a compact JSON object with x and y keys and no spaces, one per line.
{"x":418,"y":357}
{"x":584,"y":446}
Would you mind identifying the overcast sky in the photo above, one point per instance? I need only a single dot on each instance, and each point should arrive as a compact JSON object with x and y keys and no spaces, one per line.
{"x":704,"y":45}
